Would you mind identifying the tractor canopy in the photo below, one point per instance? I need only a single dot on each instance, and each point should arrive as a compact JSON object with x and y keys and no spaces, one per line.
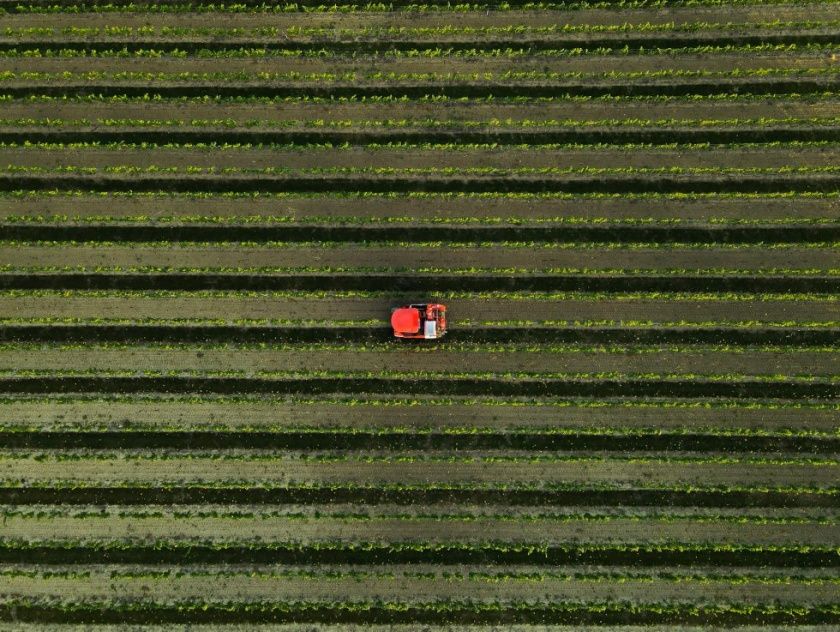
{"x":406,"y":320}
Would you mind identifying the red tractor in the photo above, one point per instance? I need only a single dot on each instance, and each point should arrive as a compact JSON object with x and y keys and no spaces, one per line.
{"x":422,"y":320}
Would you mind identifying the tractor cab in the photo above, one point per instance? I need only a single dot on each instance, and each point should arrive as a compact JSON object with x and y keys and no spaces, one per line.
{"x":426,"y":321}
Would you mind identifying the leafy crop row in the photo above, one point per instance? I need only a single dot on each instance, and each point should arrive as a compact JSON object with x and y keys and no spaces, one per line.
{"x":542,"y":376}
{"x":36,"y":147}
{"x":404,"y":123}
{"x":310,"y":6}
{"x":420,"y":271}
{"x":9,"y":76}
{"x":442,"y":196}
{"x":55,"y":52}
{"x":157,"y":99}
{"x":280,"y":458}
{"x":415,"y":171}
{"x":214,"y":512}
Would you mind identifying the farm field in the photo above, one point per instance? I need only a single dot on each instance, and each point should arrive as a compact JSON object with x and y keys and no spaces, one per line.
{"x":631,"y":210}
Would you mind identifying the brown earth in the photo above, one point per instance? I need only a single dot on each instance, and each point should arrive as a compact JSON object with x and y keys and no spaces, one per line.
{"x":137,"y":306}
{"x":414,"y":259}
{"x":364,"y":65}
{"x":321,"y":529}
{"x":292,"y":470}
{"x":689,"y":210}
{"x":502,"y":158}
{"x":410,"y":589}
{"x":256,"y":415}
{"x":594,"y":110}
{"x":789,"y":362}
{"x":809,"y":12}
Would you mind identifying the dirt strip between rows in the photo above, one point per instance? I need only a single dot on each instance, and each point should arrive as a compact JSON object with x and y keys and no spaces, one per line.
{"x":261,"y":415}
{"x":595,"y":110}
{"x":249,"y":361}
{"x":502,"y":158}
{"x":809,"y":12}
{"x":233,"y":307}
{"x":408,"y":589}
{"x":422,"y":210}
{"x":325,"y":529}
{"x":407,"y":257}
{"x":431,"y":513}
{"x":444,"y":65}
{"x":292,"y":470}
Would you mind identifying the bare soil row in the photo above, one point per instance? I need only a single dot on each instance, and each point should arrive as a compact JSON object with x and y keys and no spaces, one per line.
{"x":86,"y":207}
{"x":138,"y":306}
{"x":325,"y":529}
{"x":359,"y":19}
{"x":448,"y":513}
{"x":501,"y":158}
{"x":102,"y":586}
{"x":363,"y":66}
{"x":248,"y":361}
{"x":416,"y":259}
{"x":769,"y":107}
{"x":259,"y":415}
{"x":290,"y":469}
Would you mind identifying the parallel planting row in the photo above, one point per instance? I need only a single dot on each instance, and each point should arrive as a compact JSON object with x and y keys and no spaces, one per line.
{"x":207,"y":212}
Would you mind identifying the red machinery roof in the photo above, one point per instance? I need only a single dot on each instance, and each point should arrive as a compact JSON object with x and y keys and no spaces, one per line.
{"x":406,"y":320}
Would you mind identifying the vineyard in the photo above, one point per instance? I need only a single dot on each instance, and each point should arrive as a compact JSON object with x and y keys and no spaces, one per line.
{"x":631,"y":210}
